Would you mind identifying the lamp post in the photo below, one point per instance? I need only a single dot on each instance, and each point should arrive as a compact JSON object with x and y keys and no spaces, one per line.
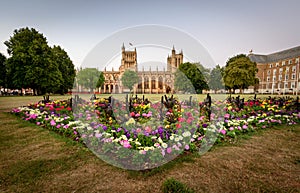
{"x":297,"y":78}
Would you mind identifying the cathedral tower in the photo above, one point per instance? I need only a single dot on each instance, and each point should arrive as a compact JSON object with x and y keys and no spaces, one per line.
{"x":174,"y":61}
{"x":129,"y":60}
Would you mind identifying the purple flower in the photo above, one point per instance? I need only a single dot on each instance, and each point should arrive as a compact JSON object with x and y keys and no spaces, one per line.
{"x":204,"y":125}
{"x":104,"y":127}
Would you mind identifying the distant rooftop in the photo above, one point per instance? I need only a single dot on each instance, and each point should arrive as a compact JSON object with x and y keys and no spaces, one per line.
{"x":282,"y":55}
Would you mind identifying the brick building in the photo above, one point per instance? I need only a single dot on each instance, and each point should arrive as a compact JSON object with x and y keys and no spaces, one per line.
{"x":278,"y":72}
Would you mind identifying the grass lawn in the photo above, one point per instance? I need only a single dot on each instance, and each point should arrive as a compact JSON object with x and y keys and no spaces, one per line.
{"x":33,"y":159}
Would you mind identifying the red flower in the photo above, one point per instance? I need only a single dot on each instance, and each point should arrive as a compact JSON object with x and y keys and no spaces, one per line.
{"x":178,"y":125}
{"x":69,"y":109}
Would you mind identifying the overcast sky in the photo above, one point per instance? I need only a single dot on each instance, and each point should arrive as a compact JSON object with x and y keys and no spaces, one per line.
{"x":225,"y":27}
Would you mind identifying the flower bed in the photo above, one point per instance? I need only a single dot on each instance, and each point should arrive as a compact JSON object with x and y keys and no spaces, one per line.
{"x":145,"y":135}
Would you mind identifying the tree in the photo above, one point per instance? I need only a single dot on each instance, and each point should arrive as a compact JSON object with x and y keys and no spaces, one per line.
{"x":88,"y":78}
{"x":31,"y":63}
{"x":129,"y":79}
{"x":216,"y":80}
{"x":2,"y":70}
{"x":193,"y":73}
{"x":101,"y":80}
{"x":183,"y":83}
{"x":240,"y":72}
{"x":66,"y":68}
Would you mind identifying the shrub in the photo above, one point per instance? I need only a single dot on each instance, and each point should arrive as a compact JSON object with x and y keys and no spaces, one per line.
{"x":171,"y":185}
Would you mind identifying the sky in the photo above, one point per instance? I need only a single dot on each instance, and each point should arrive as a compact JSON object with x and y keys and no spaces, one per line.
{"x":224,"y":28}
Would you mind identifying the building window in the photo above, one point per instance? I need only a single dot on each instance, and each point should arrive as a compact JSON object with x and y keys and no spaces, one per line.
{"x":274,"y":71}
{"x":293,"y":85}
{"x":146,"y":82}
{"x":280,"y":77}
{"x":294,"y":68}
{"x":160,"y":82}
{"x":153,"y":83}
{"x":274,"y":78}
{"x":286,"y":77}
{"x":297,"y":60}
{"x":285,"y":85}
{"x":271,"y":65}
{"x":268,"y":79}
{"x":279,"y":85}
{"x":283,"y":63}
{"x":293,"y":76}
{"x":290,"y":61}
{"x":287,"y":69}
{"x":269,"y":72}
{"x":277,"y":64}
{"x":280,"y":70}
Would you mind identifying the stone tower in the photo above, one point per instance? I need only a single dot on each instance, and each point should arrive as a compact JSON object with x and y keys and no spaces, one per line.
{"x":174,"y":60}
{"x":129,"y":60}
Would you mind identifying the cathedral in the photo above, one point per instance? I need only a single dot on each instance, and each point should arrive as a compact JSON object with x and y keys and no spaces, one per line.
{"x":150,"y":81}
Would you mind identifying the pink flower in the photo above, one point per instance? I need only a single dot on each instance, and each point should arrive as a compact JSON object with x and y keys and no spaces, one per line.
{"x":169,"y":150}
{"x":38,"y":123}
{"x":245,"y":126}
{"x":231,"y":129}
{"x":144,"y":115}
{"x":223,"y":131}
{"x":148,"y":129}
{"x":163,"y":152}
{"x":58,"y":126}
{"x":137,"y":115}
{"x":98,"y":135}
{"x":52,"y":123}
{"x":138,"y":130}
{"x":186,"y":147}
{"x":66,"y":126}
{"x":227,"y":116}
{"x":126,"y":144}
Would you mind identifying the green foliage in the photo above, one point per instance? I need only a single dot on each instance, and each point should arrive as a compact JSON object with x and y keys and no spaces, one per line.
{"x":171,"y":186}
{"x":216,"y":80}
{"x":65,"y":66}
{"x":88,"y":78}
{"x":2,"y":70}
{"x":240,"y":72}
{"x":101,"y":80}
{"x":33,"y":64}
{"x":189,"y":78}
{"x":129,"y":79}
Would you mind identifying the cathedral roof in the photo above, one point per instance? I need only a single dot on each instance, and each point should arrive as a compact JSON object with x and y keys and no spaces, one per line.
{"x":277,"y":56}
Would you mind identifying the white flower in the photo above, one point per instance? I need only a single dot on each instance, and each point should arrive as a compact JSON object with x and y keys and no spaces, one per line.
{"x":186,"y":134}
{"x":164,"y":145}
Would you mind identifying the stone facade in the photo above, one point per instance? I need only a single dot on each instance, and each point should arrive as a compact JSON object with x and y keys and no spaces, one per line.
{"x":150,"y":82}
{"x":278,"y":72}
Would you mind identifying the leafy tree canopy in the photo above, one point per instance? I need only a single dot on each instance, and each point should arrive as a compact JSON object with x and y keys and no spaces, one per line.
{"x":240,"y":72}
{"x":88,"y":78}
{"x":129,"y":79}
{"x":2,"y":70}
{"x":216,"y":80}
{"x":34,"y":64}
{"x":65,"y":66}
{"x":189,"y":77}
